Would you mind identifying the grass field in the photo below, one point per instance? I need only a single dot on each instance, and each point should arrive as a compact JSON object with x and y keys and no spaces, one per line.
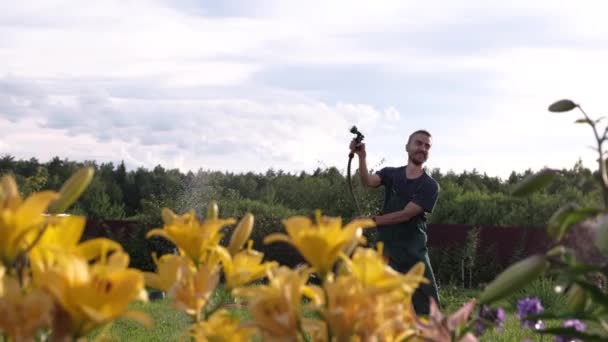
{"x":170,"y":325}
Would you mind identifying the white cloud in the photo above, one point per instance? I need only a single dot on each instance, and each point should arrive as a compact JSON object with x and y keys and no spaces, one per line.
{"x":237,"y":134}
{"x":152,"y":83}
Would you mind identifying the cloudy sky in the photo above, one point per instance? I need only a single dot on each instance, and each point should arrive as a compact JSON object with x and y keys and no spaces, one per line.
{"x":251,"y":85}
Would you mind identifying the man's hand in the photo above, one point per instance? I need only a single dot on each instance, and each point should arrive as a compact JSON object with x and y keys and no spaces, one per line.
{"x":358,"y":148}
{"x":410,"y":210}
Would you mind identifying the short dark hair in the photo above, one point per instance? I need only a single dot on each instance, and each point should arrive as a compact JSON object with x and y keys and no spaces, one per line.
{"x":420,"y":131}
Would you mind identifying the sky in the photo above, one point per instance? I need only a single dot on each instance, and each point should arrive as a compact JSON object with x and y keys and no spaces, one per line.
{"x":244,"y":85}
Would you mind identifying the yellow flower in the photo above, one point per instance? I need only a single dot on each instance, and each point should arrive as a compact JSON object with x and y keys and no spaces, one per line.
{"x":385,"y":317}
{"x":189,"y":288}
{"x":193,"y":238}
{"x":22,"y":314}
{"x":193,"y":288}
{"x":369,"y":267}
{"x":93,"y":295}
{"x":61,"y":236}
{"x":222,"y":326}
{"x":19,"y":217}
{"x":320,"y":243}
{"x":63,"y":233}
{"x":346,"y":302}
{"x":244,"y":267}
{"x":170,"y":268}
{"x":276,"y":307}
{"x":316,"y":329}
{"x":241,"y":234}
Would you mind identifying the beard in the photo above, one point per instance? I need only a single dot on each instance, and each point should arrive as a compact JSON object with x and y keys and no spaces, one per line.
{"x":417,"y":158}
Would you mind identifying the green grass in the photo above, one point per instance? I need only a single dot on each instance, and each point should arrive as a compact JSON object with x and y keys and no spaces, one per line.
{"x":544,"y":289}
{"x":170,"y":324}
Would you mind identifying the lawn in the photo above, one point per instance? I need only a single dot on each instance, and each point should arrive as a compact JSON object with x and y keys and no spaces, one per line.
{"x":170,"y":325}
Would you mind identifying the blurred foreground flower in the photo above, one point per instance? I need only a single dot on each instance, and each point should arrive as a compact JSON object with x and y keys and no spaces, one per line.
{"x":276,"y":307}
{"x":93,"y":295}
{"x":22,"y":313}
{"x":530,"y":306}
{"x":445,"y":328}
{"x":194,"y":239}
{"x":244,"y":267}
{"x":19,"y":217}
{"x":370,"y":268}
{"x":222,"y":326}
{"x":322,"y":241}
{"x":186,"y":285}
{"x":574,"y":324}
{"x":489,"y":317}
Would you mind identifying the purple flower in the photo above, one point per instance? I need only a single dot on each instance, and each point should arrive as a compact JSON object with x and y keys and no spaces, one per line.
{"x":529,"y":306}
{"x":571,"y":323}
{"x":489,"y":317}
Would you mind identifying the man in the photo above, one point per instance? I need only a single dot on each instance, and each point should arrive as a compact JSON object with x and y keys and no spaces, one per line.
{"x":409,"y":194}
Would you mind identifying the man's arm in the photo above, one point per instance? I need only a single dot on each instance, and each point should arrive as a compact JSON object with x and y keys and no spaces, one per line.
{"x":364,"y":176}
{"x":411,"y":209}
{"x":367,"y":179}
{"x":423,"y":201}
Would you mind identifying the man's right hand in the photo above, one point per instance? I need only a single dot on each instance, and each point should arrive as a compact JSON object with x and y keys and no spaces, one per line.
{"x":358,"y":148}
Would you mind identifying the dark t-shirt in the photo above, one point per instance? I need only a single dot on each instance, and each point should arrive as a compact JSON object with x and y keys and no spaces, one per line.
{"x":406,"y":241}
{"x":423,"y":190}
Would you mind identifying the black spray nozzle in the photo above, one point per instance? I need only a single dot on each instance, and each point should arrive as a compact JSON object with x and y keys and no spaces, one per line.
{"x":360,"y":136}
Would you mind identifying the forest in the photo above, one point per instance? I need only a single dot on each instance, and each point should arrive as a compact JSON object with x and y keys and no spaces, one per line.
{"x":465,"y":198}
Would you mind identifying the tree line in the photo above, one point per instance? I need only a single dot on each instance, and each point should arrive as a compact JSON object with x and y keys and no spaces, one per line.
{"x":468,"y":197}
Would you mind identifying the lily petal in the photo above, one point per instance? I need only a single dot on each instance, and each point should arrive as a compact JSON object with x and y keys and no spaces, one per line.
{"x":276,"y":237}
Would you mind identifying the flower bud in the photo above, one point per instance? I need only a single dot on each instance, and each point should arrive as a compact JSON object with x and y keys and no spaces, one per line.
{"x":514,"y":278}
{"x":72,"y":189}
{"x":601,"y":233}
{"x":576,"y":298}
{"x":241,"y":234}
{"x":212,"y":211}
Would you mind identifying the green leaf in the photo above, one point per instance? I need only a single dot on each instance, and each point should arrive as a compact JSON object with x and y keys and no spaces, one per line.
{"x":583,"y":120}
{"x":562,"y":106}
{"x":566,"y":217}
{"x":577,"y":270}
{"x":514,"y":278}
{"x":570,"y":332}
{"x":582,"y":316}
{"x":596,"y":294}
{"x":601,"y":233}
{"x":534,"y":182}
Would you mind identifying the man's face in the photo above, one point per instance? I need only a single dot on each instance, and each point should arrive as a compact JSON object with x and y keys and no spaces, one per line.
{"x":418,"y":148}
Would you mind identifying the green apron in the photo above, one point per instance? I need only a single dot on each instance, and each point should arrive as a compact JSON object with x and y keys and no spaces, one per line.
{"x":405,"y":244}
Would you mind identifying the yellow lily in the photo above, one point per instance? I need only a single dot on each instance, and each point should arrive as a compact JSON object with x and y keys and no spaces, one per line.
{"x":276,"y":307}
{"x":194,"y":239}
{"x":243,"y":267}
{"x":19,"y":217}
{"x":222,"y":326}
{"x":189,"y":288}
{"x":320,"y":242}
{"x":346,"y":302}
{"x":241,"y":234}
{"x":369,"y":267}
{"x":384,"y":318}
{"x":22,"y":314}
{"x":60,"y":239}
{"x":193,"y":288}
{"x":93,"y":295}
{"x":170,"y":268}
